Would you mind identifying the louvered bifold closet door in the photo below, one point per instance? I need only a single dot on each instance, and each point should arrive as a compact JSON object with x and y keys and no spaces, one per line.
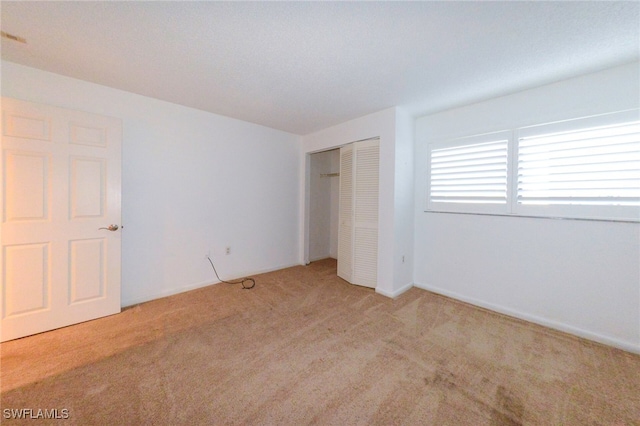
{"x":358,"y":212}
{"x":345,"y":214}
{"x":365,"y":252}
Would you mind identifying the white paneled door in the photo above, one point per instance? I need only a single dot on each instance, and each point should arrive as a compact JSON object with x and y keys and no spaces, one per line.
{"x":60,"y":232}
{"x":358,"y":213}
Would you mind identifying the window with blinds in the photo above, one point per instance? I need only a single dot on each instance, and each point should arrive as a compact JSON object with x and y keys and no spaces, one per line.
{"x":472,"y":171}
{"x":584,"y":168}
{"x":598,"y":166}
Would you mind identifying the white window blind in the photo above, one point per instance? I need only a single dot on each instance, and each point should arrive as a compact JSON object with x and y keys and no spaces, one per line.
{"x":586,"y":166}
{"x":469,"y":172}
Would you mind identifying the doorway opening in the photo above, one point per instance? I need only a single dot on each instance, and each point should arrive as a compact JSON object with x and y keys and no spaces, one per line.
{"x":341,"y":209}
{"x":323,"y":198}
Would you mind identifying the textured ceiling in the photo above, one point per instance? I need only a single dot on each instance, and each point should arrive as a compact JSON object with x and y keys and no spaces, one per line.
{"x":304,"y":66}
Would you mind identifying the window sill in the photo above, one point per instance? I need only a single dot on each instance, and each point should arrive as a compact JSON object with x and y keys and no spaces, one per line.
{"x":636,"y":221}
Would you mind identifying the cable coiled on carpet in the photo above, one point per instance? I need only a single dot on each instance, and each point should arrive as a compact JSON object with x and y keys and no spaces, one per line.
{"x":240,"y":281}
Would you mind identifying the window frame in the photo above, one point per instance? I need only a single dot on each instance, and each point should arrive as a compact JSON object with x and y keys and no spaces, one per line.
{"x":457,"y":207}
{"x":512,"y":207}
{"x":573,"y":211}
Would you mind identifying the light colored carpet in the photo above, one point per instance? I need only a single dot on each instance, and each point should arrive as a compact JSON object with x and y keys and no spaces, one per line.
{"x":305,"y":347}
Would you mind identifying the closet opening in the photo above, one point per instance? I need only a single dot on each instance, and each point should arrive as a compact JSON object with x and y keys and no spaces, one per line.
{"x":341,"y":205}
{"x":323,"y":199}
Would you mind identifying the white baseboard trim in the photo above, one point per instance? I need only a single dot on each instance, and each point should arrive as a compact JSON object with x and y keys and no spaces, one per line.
{"x":315,"y":259}
{"x":166,"y":293}
{"x":189,"y":287}
{"x":395,"y":293}
{"x":610,"y":341}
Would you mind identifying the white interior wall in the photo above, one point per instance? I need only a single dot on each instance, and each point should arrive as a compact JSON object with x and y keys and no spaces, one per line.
{"x":403,"y":202}
{"x":193,"y":183}
{"x":577,"y":276}
{"x":582,"y":277}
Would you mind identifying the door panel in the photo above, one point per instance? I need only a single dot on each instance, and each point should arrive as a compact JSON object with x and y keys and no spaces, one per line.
{"x":26,"y":192}
{"x":87,"y":267}
{"x":92,"y":136}
{"x":60,"y":184}
{"x":345,"y":214}
{"x":28,"y":123}
{"x":87,"y":187}
{"x":27,"y":279}
{"x":358,"y":213}
{"x":365,"y":261}
{"x":365,"y":253}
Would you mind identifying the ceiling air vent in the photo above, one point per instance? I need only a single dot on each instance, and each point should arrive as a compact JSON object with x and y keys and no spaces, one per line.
{"x":13,"y":37}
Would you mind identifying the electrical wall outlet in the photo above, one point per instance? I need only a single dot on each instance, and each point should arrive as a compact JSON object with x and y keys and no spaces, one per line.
{"x":227,"y":250}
